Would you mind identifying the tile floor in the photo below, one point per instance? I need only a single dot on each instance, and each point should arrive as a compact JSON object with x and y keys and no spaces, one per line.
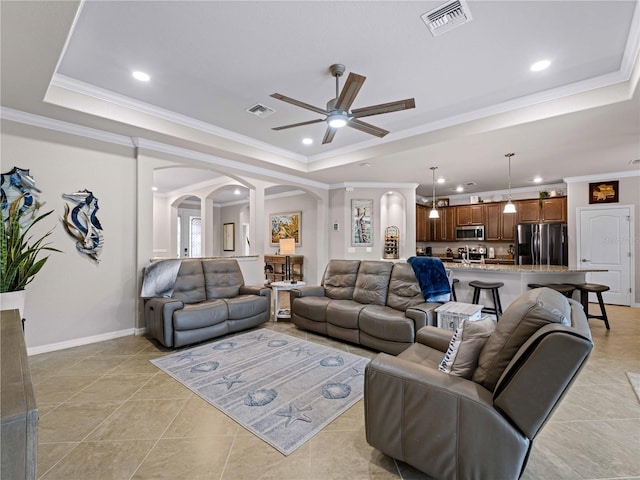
{"x":106,"y":412}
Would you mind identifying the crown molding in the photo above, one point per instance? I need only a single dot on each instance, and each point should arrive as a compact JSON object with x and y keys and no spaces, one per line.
{"x":373,"y":185}
{"x":602,"y":177}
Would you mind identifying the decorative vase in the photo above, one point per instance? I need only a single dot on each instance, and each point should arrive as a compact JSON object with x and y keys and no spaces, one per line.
{"x":13,"y":300}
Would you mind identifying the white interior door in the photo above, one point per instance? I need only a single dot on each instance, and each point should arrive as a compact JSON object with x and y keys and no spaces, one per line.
{"x":605,"y":242}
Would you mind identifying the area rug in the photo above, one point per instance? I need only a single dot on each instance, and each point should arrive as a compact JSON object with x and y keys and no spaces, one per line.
{"x":634,"y":380}
{"x":281,"y":388}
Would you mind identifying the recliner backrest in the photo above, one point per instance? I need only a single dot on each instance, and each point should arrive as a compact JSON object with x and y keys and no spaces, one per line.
{"x":339,"y":279}
{"x":189,"y":285}
{"x":372,"y":282}
{"x":524,"y":317}
{"x":404,"y":291}
{"x":223,"y":278}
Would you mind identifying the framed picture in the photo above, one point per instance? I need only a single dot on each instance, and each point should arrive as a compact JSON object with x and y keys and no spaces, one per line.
{"x":442,"y":202}
{"x":361,"y":223}
{"x":285,"y":225}
{"x":603,"y":192}
{"x":229,"y":237}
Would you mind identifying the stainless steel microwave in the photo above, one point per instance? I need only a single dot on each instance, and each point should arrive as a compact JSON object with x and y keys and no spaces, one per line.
{"x":475,"y":232}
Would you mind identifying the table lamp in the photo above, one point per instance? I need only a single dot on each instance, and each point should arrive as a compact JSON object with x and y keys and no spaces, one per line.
{"x":287,"y":247}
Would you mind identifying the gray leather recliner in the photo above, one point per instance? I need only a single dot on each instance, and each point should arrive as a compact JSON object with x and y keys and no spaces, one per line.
{"x":454,"y":428}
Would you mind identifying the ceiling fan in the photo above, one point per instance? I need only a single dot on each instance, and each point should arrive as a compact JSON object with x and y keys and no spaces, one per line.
{"x":337,"y":113}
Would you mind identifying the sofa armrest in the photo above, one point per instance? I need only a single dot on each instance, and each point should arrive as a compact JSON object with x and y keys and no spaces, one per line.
{"x":307,"y":291}
{"x":422,"y":314}
{"x":255,"y":290}
{"x":158,"y":316}
{"x":434,"y":337}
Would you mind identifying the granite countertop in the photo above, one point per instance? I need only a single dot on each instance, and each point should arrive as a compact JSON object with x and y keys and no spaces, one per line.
{"x":521,"y":268}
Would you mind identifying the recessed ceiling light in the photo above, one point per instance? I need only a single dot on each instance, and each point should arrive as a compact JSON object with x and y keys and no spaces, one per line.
{"x":143,"y":77}
{"x":155,"y":189}
{"x":541,"y":65}
{"x":460,"y":189}
{"x":441,"y":180}
{"x":537,"y":179}
{"x":237,"y":191}
{"x":307,"y":141}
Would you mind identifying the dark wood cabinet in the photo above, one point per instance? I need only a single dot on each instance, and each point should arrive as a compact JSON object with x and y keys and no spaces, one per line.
{"x":549,"y":210}
{"x":498,"y":225}
{"x":423,"y":230}
{"x":443,"y":228}
{"x":469,"y":214}
{"x":554,"y":210}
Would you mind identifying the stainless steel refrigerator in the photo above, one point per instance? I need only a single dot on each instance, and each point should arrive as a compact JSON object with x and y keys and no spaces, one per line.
{"x":541,"y":244}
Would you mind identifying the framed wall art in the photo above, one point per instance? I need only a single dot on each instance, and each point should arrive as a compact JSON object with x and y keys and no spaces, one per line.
{"x":603,"y":192}
{"x":361,"y":223}
{"x":285,"y":225}
{"x":229,"y":237}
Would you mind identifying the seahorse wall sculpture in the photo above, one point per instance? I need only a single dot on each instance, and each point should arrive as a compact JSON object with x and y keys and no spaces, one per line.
{"x":82,"y":223}
{"x":18,"y":185}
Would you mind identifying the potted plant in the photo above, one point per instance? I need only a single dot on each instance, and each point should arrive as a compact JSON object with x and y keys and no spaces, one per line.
{"x":20,"y":251}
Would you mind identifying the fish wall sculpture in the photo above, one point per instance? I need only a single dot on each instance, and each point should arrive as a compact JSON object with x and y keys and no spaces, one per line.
{"x":81,"y":222}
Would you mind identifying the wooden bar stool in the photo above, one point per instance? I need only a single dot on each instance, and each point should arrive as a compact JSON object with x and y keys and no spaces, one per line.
{"x":585,"y":289}
{"x":453,"y":289}
{"x":566,"y":289}
{"x":493,"y":286}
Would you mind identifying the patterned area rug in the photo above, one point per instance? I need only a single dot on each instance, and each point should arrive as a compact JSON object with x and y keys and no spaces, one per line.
{"x":634,"y":379}
{"x":281,"y":388}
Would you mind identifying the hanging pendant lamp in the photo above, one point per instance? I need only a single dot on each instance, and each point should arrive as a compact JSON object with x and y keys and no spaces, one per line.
{"x":509,"y":207}
{"x":434,"y":212}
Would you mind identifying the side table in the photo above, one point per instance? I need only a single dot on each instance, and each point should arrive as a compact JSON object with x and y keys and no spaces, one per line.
{"x":277,"y":287}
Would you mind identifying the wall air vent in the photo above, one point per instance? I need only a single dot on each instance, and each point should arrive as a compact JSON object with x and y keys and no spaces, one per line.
{"x":445,"y":17}
{"x":260,"y":110}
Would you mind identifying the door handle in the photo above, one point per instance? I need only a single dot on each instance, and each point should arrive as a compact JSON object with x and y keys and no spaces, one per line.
{"x":584,"y":260}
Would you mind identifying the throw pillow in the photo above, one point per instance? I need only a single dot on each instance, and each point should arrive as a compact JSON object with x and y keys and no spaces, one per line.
{"x":461,"y":358}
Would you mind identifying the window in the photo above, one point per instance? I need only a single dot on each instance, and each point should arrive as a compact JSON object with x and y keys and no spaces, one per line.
{"x":195,"y":237}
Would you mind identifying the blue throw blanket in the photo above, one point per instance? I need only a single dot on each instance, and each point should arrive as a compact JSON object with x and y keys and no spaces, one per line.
{"x":432,"y":278}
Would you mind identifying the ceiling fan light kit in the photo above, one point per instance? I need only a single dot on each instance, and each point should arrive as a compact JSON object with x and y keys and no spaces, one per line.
{"x":337,"y":113}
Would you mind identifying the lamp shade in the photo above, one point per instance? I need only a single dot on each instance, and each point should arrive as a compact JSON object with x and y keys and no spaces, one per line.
{"x":287,"y":246}
{"x":509,"y":207}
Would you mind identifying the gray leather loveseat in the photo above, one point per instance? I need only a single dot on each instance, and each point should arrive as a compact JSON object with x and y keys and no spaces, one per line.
{"x":373,"y":303}
{"x":192,"y":300}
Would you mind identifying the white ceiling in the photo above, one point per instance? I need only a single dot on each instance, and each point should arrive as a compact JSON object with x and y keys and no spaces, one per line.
{"x":209,"y":61}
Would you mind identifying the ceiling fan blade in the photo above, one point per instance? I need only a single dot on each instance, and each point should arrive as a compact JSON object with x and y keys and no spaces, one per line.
{"x":329,"y":134}
{"x":300,"y":124}
{"x":383,"y":108}
{"x":367,"y":128}
{"x":349,"y":91}
{"x":298,"y":103}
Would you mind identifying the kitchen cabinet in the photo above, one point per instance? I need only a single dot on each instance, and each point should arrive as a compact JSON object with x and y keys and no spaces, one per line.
{"x":443,"y":228}
{"x":423,"y":227}
{"x":469,"y":215}
{"x":498,"y":225}
{"x":554,"y":210}
{"x":549,"y":210}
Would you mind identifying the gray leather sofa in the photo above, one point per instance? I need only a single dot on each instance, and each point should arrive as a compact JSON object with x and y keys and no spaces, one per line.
{"x":207,"y":299}
{"x":373,"y":303}
{"x":481,"y":427}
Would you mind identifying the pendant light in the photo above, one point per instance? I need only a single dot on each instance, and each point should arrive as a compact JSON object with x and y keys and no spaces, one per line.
{"x":434,"y":212}
{"x":509,"y":207}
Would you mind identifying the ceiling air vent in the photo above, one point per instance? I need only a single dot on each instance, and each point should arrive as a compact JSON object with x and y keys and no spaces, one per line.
{"x":260,"y":110}
{"x":447,"y":16}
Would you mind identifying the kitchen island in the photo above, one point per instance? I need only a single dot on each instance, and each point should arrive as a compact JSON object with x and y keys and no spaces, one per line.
{"x":516,"y":279}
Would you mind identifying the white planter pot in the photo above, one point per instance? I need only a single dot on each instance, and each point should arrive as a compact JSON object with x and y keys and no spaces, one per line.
{"x":13,"y":300}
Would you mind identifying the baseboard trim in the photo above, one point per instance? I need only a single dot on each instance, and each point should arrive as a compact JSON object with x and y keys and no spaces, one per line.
{"x":76,"y":342}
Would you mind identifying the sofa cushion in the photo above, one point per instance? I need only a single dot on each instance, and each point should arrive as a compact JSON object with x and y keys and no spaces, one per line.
{"x":189,"y":286}
{"x":372,"y":282}
{"x":343,"y":313}
{"x":528,"y":313}
{"x":461,"y":358}
{"x":245,"y":306}
{"x":340,"y":279}
{"x":312,"y":308}
{"x":222,"y":278}
{"x":387,"y":323}
{"x":404,"y":291}
{"x":199,"y":315}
